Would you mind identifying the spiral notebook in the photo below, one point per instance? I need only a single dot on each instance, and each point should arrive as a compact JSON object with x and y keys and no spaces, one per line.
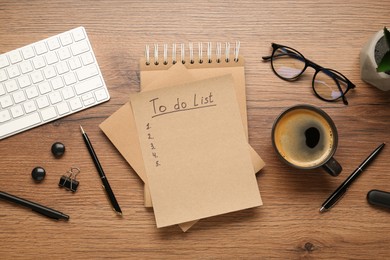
{"x":195,"y":151}
{"x":159,"y":71}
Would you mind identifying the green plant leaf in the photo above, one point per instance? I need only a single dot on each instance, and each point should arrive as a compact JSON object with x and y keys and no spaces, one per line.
{"x":387,"y":36}
{"x":384,"y":65}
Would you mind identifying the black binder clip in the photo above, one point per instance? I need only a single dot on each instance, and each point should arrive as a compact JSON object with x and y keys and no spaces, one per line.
{"x":69,"y":181}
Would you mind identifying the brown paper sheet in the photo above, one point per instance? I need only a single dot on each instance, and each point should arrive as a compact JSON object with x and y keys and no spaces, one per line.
{"x":195,"y":151}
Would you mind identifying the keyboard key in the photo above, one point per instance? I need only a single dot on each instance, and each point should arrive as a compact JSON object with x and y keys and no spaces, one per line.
{"x":19,"y":124}
{"x":11,"y":86}
{"x":88,"y":85}
{"x":44,"y":88}
{"x":87,"y":58}
{"x":62,"y":68}
{"x":88,"y":102}
{"x":55,"y":97}
{"x":40,"y":48}
{"x":101,"y":95}
{"x":24,"y":81}
{"x":80,"y":47}
{"x":17,"y":111}
{"x":28,"y":52}
{"x":57,"y":83}
{"x":26,"y":67}
{"x":13,"y":71}
{"x":2,"y":90}
{"x":74,"y":63}
{"x":75,"y":104}
{"x":36,"y":76}
{"x":42,"y":102}
{"x":63,"y":108}
{"x":39,"y":62}
{"x":87,"y":72}
{"x":78,"y":34}
{"x":29,"y":106}
{"x":51,"y":58}
{"x":66,"y":39}
{"x":6,"y":101}
{"x":4,"y":116}
{"x":3,"y":75}
{"x":19,"y":96}
{"x":15,"y":56}
{"x":3,"y":61}
{"x":32,"y":92}
{"x":64,"y":53}
{"x":53,"y":43}
{"x":68,"y":93}
{"x":70,"y":78}
{"x":87,"y":96}
{"x":49,"y":72}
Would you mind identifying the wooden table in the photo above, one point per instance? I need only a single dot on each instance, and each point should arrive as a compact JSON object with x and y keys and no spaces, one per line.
{"x":288,"y":225}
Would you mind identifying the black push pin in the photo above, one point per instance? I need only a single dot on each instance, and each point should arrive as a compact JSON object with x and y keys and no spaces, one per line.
{"x":69,"y":181}
{"x":58,"y":149}
{"x":38,"y":174}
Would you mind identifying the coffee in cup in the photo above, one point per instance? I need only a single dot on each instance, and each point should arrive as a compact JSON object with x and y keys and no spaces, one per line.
{"x":305,"y":137}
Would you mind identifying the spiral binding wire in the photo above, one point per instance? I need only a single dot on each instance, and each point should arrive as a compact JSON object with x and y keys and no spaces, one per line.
{"x":236,"y":51}
{"x":173,"y":54}
{"x":147,"y":55}
{"x":182,"y":53}
{"x":165,"y":54}
{"x":200,"y":55}
{"x":191,"y":48}
{"x":227,"y":51}
{"x":155,"y":54}
{"x":218,"y":53}
{"x":209,"y":50}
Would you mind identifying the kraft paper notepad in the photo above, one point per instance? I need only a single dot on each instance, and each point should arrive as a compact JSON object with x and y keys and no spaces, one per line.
{"x":195,"y":151}
{"x":120,"y":126}
{"x":153,"y":71}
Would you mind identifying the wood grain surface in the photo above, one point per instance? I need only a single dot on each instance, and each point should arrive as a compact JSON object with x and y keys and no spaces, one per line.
{"x":288,"y":225}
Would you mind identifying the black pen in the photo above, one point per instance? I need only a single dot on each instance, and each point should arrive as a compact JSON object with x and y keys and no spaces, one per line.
{"x":345,"y":185}
{"x":103,"y":177}
{"x":48,"y":212}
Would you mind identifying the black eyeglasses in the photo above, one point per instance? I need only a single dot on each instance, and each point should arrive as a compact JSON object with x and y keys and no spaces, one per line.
{"x":288,"y":64}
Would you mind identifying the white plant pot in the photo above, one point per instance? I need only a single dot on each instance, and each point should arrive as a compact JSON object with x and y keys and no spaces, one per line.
{"x":368,"y":65}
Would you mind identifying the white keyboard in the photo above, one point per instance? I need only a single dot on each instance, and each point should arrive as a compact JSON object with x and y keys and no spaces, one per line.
{"x":47,"y":80}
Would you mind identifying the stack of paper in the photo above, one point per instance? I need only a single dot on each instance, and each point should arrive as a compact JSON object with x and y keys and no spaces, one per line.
{"x":187,"y":140}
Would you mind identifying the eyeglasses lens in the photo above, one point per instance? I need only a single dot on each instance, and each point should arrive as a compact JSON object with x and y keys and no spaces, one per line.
{"x":287,"y":63}
{"x":330,"y":85}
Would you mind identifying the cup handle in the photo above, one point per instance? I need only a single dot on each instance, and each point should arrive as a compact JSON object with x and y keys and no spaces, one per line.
{"x":332,"y":167}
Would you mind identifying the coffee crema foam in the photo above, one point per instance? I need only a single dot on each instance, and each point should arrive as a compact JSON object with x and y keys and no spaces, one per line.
{"x":291,"y":141}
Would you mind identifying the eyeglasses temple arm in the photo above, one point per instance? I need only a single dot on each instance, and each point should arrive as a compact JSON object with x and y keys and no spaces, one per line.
{"x":331,"y":74}
{"x":291,"y":54}
{"x":344,"y":100}
{"x":266,"y":58}
{"x":342,"y":95}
